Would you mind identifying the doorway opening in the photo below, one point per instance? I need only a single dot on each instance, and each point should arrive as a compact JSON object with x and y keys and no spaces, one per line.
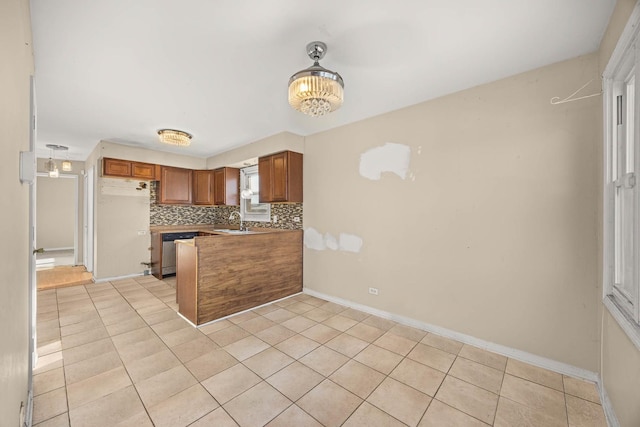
{"x":57,"y":239}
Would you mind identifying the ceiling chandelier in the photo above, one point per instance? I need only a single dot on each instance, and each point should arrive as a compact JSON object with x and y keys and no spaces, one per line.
{"x":50,"y":165}
{"x":316,"y":91}
{"x":175,"y":137}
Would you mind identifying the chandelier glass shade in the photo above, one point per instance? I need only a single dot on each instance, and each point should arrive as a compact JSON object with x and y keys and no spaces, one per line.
{"x":175,"y":137}
{"x":316,"y":91}
{"x":50,"y":165}
{"x":51,"y":168}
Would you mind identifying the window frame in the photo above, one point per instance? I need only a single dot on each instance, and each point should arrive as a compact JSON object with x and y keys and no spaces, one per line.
{"x":252,"y":216}
{"x":623,"y":66}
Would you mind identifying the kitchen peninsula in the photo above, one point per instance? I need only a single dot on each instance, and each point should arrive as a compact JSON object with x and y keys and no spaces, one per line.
{"x":224,"y":272}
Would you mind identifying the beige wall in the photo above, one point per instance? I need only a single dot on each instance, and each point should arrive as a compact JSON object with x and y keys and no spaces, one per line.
{"x":492,"y":234}
{"x":273,"y":144}
{"x":620,"y":364}
{"x":119,"y":249}
{"x":17,"y":66}
{"x":55,"y":212}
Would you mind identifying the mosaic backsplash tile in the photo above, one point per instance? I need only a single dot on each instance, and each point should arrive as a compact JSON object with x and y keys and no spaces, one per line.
{"x":289,"y":214}
{"x":180,"y":215}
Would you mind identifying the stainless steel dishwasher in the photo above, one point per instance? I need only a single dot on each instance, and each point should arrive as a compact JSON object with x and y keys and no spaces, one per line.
{"x":169,"y":250}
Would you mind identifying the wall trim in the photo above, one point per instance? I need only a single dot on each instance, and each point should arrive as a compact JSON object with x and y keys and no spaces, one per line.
{"x":70,"y":248}
{"x":523,"y":356}
{"x":624,"y":42}
{"x":111,"y":279}
{"x":28,"y":416}
{"x":627,"y":325}
{"x":239,"y":312}
{"x":609,"y":413}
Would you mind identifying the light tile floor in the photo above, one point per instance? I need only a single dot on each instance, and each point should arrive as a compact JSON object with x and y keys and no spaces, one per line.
{"x":117,"y":354}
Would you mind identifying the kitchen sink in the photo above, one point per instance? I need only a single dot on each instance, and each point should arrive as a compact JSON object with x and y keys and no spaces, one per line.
{"x":233,"y":231}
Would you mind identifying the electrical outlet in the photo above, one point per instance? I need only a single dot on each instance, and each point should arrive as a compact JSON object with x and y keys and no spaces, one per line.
{"x":142,"y":232}
{"x":373,"y":291}
{"x":275,"y":219}
{"x":296,"y":219}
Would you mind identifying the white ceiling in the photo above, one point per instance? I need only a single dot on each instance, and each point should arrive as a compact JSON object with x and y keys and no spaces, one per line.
{"x":119,"y":70}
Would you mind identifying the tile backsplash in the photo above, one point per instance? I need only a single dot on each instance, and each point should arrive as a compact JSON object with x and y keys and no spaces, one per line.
{"x":180,"y":215}
{"x":289,"y":215}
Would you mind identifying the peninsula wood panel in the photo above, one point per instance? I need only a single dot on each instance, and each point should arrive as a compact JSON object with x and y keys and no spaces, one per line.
{"x":186,"y":285}
{"x":241,"y":272}
{"x":156,"y":255}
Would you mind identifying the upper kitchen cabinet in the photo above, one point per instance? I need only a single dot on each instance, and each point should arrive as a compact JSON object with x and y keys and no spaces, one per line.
{"x":280,"y":177}
{"x":176,"y":186}
{"x":226,"y":186}
{"x":203,"y":187}
{"x":128,"y":169}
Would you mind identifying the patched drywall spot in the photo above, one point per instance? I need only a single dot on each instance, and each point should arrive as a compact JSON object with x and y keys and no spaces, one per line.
{"x":390,"y":157}
{"x":330,"y":242}
{"x":350,"y":243}
{"x":313,"y":239}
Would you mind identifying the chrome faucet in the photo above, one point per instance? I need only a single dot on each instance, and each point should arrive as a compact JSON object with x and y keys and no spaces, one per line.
{"x":239,"y":216}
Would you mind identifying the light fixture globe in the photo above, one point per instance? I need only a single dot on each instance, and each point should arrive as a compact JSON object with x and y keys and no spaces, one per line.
{"x":175,"y":137}
{"x":316,"y":91}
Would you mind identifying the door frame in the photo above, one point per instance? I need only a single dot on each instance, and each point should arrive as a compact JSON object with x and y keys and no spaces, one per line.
{"x":76,"y":196}
{"x":87,"y":246}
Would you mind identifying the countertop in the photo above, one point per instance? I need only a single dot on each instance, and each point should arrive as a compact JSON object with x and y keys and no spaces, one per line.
{"x":209,"y":228}
{"x":181,"y":228}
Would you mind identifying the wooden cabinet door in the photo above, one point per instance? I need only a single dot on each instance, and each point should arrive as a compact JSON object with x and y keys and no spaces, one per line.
{"x":264,"y":174}
{"x":116,"y":167}
{"x":143,"y":170}
{"x":281,"y":177}
{"x":226,"y":186}
{"x":294,"y":177}
{"x":203,"y":187}
{"x":175,"y":185}
{"x":218,"y":187}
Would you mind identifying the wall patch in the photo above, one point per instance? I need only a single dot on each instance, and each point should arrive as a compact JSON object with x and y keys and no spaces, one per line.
{"x":390,"y":157}
{"x":350,"y":243}
{"x":313,"y":239}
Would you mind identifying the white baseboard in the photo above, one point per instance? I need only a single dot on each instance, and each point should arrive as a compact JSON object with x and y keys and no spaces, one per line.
{"x":609,"y":413}
{"x":58,"y":249}
{"x":239,"y":312}
{"x":28,"y":418}
{"x":523,"y":356}
{"x":111,"y":279}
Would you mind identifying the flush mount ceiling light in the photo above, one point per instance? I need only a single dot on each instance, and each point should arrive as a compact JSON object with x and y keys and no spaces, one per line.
{"x":50,"y":165}
{"x":175,"y":137}
{"x":316,"y":91}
